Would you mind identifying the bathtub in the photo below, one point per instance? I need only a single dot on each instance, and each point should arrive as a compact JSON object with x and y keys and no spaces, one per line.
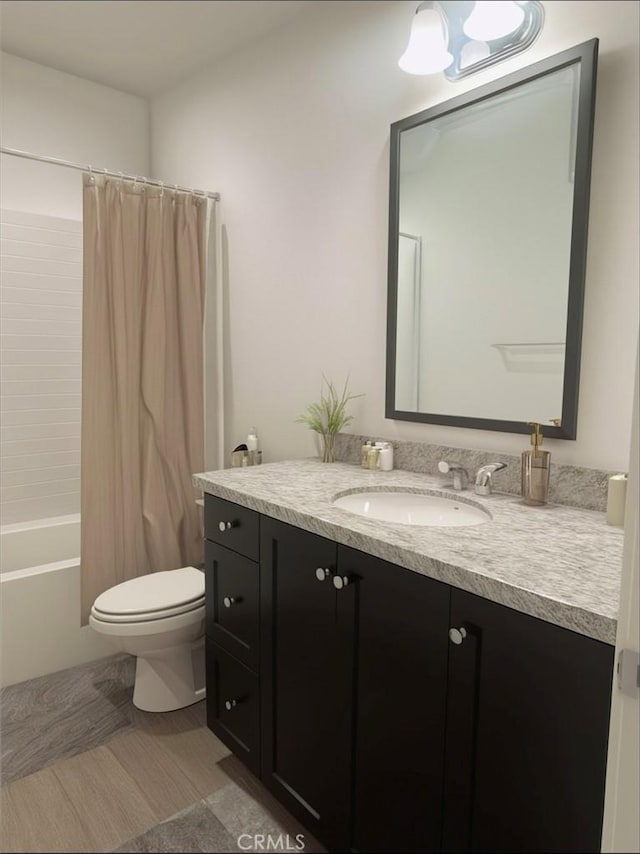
{"x":28,"y":545}
{"x":40,"y":600}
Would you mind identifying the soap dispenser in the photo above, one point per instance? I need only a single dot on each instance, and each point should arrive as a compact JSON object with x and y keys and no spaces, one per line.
{"x":536,"y":465}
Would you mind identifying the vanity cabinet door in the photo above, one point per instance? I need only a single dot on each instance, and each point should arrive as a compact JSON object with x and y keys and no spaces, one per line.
{"x":527,"y":728}
{"x":306,"y":682}
{"x":232,"y":606}
{"x":401,"y":623}
{"x":233,"y":711}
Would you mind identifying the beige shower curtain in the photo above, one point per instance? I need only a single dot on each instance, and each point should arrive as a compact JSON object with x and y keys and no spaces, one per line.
{"x":142,"y":367}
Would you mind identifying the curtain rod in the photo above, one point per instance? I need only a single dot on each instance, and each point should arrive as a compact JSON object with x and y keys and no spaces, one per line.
{"x":15,"y":152}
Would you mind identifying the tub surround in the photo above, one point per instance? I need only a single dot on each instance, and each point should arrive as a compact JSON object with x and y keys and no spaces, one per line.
{"x":558,"y":563}
{"x":574,"y":486}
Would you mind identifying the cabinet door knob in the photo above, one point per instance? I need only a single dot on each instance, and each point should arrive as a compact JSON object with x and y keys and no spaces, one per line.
{"x":322,"y":574}
{"x":230,"y":704}
{"x":228,"y":601}
{"x":457,"y":635}
{"x":224,"y":526}
{"x":340,"y":581}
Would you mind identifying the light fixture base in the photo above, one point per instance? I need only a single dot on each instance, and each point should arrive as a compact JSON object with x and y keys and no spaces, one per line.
{"x":489,"y":52}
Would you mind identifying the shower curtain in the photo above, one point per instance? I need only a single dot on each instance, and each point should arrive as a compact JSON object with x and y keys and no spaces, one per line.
{"x":142,"y":374}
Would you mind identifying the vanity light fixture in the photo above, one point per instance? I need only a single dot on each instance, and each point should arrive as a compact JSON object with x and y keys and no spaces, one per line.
{"x":460,"y":37}
{"x":492,"y":19}
{"x":427,"y":51}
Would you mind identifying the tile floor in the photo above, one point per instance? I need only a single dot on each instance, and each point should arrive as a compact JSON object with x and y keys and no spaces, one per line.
{"x":83,"y":770}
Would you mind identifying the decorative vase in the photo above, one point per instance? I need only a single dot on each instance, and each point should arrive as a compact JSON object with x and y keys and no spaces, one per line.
{"x":328,"y":454}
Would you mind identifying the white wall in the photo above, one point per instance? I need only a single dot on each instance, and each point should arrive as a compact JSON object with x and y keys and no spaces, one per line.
{"x":59,"y":115}
{"x":47,"y":112}
{"x":294,"y":133}
{"x":41,"y":326}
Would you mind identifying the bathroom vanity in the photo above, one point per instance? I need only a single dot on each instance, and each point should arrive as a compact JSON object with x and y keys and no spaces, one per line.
{"x":404,"y":688}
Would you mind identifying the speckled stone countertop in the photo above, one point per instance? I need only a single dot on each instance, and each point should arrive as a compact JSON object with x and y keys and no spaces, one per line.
{"x":558,"y":563}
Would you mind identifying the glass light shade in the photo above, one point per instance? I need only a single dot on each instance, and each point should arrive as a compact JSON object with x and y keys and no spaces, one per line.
{"x":492,"y":19}
{"x":472,"y":52}
{"x":427,"y":51}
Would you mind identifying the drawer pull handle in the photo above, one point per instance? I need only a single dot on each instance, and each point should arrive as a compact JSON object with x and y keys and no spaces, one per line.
{"x":224,"y":526}
{"x":230,"y":704}
{"x":341,"y":581}
{"x":322,"y":574}
{"x":457,"y":635}
{"x":228,"y":601}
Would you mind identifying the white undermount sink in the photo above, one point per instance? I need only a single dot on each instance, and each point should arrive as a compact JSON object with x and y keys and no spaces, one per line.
{"x":413,"y":508}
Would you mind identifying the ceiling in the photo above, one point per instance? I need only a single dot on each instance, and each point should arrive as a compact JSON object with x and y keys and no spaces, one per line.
{"x":138,"y":46}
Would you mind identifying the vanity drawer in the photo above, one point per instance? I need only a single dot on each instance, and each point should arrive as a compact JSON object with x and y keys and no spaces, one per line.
{"x":232,"y":526}
{"x":233,"y":711}
{"x":232,"y":602}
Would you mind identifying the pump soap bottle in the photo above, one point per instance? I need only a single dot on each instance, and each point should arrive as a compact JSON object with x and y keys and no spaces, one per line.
{"x":536,"y":465}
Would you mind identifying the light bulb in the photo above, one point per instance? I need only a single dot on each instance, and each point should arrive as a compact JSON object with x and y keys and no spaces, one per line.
{"x":492,"y":19}
{"x":427,"y":51}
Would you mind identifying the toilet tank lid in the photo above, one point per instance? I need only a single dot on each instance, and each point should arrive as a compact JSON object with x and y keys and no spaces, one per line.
{"x":156,"y":591}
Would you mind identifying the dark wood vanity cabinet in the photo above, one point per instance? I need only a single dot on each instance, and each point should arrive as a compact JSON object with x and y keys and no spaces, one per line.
{"x":392,"y":712}
{"x":306,"y":681}
{"x":232,"y":621}
{"x":400,"y":622}
{"x":527,"y":728}
{"x":354,"y":683}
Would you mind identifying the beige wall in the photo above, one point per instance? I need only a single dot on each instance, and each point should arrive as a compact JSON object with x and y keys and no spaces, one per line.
{"x":60,"y":115}
{"x":294,"y":133}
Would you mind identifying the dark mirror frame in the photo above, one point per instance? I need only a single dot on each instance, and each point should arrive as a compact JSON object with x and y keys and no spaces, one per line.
{"x":586,"y":55}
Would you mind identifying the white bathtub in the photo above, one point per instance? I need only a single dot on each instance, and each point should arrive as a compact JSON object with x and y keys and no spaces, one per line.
{"x":28,"y":545}
{"x":40,"y":600}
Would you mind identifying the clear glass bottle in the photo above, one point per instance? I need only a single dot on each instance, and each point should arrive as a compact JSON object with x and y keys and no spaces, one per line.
{"x":373,"y":457}
{"x":536,"y":466}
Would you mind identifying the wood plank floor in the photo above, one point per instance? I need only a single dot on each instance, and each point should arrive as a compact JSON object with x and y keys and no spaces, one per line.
{"x":138,"y":782}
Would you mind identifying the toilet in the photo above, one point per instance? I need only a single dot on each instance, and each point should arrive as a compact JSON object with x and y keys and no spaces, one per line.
{"x":159,"y":618}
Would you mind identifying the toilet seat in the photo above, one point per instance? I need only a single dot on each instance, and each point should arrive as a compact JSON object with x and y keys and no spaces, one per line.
{"x":156,"y":596}
{"x":147,"y":628}
{"x":143,"y":617}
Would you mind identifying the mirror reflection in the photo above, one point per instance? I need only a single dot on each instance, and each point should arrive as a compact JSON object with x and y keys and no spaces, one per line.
{"x":483,"y":256}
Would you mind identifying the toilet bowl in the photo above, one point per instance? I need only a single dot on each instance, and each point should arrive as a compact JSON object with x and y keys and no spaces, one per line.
{"x":159,"y":618}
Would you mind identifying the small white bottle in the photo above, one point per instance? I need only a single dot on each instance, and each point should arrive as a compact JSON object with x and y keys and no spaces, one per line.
{"x":252,"y":440}
{"x":385,"y":461}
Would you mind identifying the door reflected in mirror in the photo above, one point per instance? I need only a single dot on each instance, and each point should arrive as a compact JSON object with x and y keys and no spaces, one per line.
{"x":487,"y":248}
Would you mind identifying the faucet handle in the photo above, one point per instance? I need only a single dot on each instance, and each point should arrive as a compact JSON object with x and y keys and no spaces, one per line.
{"x":460,"y":474}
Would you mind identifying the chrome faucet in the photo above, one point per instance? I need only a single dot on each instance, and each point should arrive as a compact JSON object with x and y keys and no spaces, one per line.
{"x":460,"y":474}
{"x":483,"y":477}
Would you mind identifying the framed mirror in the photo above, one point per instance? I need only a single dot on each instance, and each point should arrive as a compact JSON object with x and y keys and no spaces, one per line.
{"x":489,"y":199}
